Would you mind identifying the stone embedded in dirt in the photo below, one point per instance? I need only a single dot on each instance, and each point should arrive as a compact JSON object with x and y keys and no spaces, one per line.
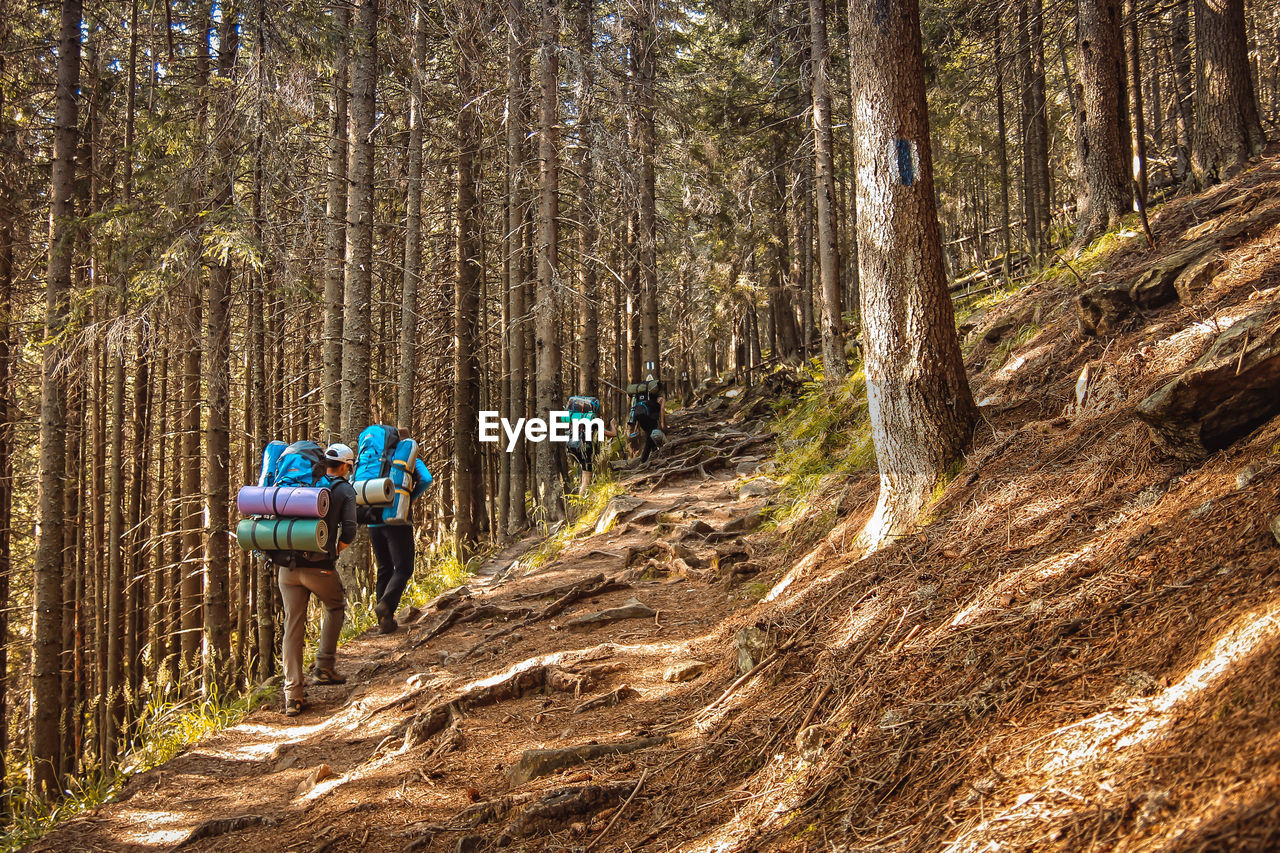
{"x":450,"y":598}
{"x":630,"y":609}
{"x":757,"y":489}
{"x":407,"y":614}
{"x":747,"y":467}
{"x":1196,"y":277}
{"x":535,"y":763}
{"x":684,"y":671}
{"x":1275,"y":528}
{"x":743,"y":524}
{"x":650,"y":516}
{"x":753,"y":645}
{"x":315,"y":777}
{"x":607,"y":700}
{"x":1230,"y":391}
{"x":619,"y":506}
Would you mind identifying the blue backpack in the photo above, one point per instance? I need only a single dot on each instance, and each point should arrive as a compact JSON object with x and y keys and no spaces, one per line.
{"x":375,"y":450}
{"x":582,"y":409}
{"x":299,"y":464}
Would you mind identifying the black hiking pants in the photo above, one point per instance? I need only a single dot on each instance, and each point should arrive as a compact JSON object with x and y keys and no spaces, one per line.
{"x":647,"y":425}
{"x":394,"y":552}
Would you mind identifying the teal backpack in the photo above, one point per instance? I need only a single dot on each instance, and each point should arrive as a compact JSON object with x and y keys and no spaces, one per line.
{"x":582,"y":409}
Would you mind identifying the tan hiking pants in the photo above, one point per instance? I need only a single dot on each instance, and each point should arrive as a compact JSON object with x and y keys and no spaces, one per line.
{"x":296,"y":588}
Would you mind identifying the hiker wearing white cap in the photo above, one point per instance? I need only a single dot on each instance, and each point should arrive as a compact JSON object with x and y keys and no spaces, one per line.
{"x":317,"y":574}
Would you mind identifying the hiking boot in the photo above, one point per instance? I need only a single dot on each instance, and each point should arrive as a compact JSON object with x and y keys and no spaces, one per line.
{"x":294,"y":707}
{"x":325,"y":675}
{"x":387,"y":623}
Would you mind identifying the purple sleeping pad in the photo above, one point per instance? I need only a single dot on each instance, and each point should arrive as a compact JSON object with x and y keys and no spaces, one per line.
{"x":284,"y":501}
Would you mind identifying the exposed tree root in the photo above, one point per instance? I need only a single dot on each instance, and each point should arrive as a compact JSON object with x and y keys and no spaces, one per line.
{"x":213,"y":827}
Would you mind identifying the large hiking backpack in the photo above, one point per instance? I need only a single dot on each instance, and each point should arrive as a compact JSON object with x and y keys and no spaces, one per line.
{"x":295,"y":476}
{"x":581,"y":410}
{"x":644,"y":399}
{"x":383,"y":478}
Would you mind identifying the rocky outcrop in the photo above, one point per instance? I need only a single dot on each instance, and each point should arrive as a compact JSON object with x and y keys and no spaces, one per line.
{"x":1230,"y":391}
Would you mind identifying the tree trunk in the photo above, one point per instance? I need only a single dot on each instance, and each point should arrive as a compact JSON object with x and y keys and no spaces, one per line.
{"x":1137,"y":118}
{"x":644,"y":46}
{"x":918,"y":396}
{"x":46,"y":633}
{"x":357,"y":314}
{"x":1103,"y":196}
{"x":1002,"y":150}
{"x":335,"y":230}
{"x":516,"y":262}
{"x":588,"y":301}
{"x":1180,"y":50}
{"x":833,"y":361}
{"x":547,"y":306}
{"x":1227,"y":129}
{"x":217,"y":373}
{"x":407,"y":376}
{"x":469,"y":486}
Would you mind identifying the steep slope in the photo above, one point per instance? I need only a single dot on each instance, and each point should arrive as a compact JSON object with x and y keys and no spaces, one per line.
{"x":1078,"y":651}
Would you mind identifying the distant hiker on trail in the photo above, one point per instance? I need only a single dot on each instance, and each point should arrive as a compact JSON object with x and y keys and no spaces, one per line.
{"x":582,"y":445}
{"x":316,"y":573}
{"x":648,"y":414}
{"x":389,"y":478}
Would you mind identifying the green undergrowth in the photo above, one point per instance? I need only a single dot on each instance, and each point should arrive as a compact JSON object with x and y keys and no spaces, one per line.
{"x":165,"y":727}
{"x":824,"y":437}
{"x":583,"y":512}
{"x":435,"y":570}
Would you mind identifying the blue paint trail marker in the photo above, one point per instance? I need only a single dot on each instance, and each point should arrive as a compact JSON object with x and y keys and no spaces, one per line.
{"x":907,"y":156}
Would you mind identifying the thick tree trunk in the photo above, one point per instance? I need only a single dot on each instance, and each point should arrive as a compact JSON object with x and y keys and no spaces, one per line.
{"x":918,"y":396}
{"x":469,"y":483}
{"x":217,"y":373}
{"x":335,"y":230}
{"x":1180,"y":51}
{"x":407,"y":376}
{"x":358,"y":292}
{"x":588,"y":301}
{"x":1227,"y":129}
{"x":516,"y":259}
{"x":833,"y":361}
{"x":644,"y":46}
{"x":1104,"y":189}
{"x":547,"y":306}
{"x":46,"y":632}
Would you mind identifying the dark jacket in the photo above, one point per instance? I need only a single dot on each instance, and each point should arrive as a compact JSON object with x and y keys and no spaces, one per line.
{"x":341,"y":522}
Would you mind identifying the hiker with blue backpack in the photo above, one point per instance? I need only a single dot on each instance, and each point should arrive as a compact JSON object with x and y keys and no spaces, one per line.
{"x":648,"y":414}
{"x":389,"y":477}
{"x":583,"y":410}
{"x":303,"y":515}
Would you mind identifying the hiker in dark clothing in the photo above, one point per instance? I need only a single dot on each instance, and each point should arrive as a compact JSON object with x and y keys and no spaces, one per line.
{"x":582,"y":450}
{"x":317,"y":574}
{"x":649,"y":415}
{"x":393,"y":550}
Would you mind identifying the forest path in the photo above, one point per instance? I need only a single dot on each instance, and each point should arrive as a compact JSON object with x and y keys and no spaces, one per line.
{"x":433,"y":717}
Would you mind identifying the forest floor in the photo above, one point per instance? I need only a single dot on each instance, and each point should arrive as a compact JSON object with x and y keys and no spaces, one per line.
{"x":1079,"y":651}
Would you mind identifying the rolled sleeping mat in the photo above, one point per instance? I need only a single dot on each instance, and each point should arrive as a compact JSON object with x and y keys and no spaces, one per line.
{"x":282,"y":534}
{"x":379,"y":491}
{"x":286,"y":501}
{"x":402,"y":477}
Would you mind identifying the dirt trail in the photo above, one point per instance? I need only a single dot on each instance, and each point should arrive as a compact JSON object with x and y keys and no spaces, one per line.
{"x":434,"y":717}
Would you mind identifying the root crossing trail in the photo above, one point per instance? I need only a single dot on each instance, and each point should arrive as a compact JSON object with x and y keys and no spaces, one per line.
{"x":528,"y":702}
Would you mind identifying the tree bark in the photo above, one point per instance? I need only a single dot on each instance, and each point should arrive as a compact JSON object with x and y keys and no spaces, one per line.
{"x":407,"y":376}
{"x":833,"y":360}
{"x":358,"y":292}
{"x":1227,"y":129}
{"x":921,"y":410}
{"x":588,"y":298}
{"x":516,"y":259}
{"x":644,"y":43}
{"x":335,"y":229}
{"x":547,"y":305}
{"x":46,"y":632}
{"x":1002,"y":149}
{"x":469,"y":485}
{"x":1103,"y":196}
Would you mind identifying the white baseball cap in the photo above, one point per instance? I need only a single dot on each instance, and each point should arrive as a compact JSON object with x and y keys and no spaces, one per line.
{"x":339,"y":453}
